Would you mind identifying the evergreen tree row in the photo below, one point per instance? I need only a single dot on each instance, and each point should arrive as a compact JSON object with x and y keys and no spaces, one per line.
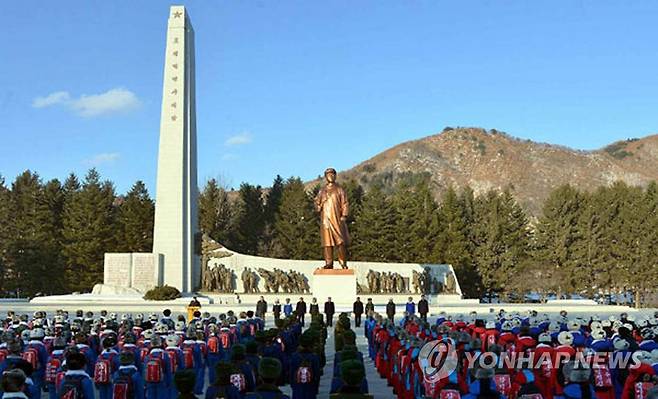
{"x":53,"y":235}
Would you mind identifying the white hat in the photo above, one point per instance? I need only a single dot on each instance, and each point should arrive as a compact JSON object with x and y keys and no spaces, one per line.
{"x":598,"y":334}
{"x":645,"y":357}
{"x":573,"y":325}
{"x":490,"y":324}
{"x":596,"y":325}
{"x":544,"y":338}
{"x":37,"y":333}
{"x":172,"y":340}
{"x":554,"y":326}
{"x":565,"y":338}
{"x":654,"y":355}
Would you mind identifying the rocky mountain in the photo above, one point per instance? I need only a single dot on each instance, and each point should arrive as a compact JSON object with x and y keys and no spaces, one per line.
{"x":489,"y":159}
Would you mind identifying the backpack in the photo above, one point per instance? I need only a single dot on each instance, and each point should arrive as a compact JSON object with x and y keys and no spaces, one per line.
{"x":173,"y":359}
{"x":252,"y":329}
{"x":503,"y":384}
{"x":239,"y":381}
{"x":154,"y":369}
{"x":304,"y":373}
{"x":226,"y":339}
{"x":123,"y":387}
{"x":144,"y":352}
{"x":52,"y":367}
{"x":213,"y":345}
{"x":31,"y":355}
{"x":602,"y":376}
{"x":3,"y":355}
{"x":103,"y":370}
{"x":450,"y":394}
{"x":71,"y":387}
{"x":188,"y":357}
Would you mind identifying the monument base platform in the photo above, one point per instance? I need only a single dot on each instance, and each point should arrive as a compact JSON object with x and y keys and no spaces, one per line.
{"x":339,"y":284}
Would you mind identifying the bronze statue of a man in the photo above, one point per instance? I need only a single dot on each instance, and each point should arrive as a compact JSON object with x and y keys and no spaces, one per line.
{"x":333,"y":206}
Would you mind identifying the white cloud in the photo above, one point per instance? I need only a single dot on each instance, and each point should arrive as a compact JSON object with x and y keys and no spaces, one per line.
{"x":58,"y":97}
{"x":106,"y":157}
{"x":239,"y":139}
{"x":115,"y":100}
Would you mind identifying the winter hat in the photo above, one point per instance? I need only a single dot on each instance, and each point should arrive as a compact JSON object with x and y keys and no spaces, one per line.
{"x":565,"y":338}
{"x":185,"y":380}
{"x":352,"y":372}
{"x":238,"y":352}
{"x":223,"y":373}
{"x":269,"y":368}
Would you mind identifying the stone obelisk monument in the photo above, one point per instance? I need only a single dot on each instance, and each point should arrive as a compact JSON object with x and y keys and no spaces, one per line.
{"x":175,"y":231}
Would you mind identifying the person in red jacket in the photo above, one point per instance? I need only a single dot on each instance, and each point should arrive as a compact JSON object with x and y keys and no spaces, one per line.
{"x":544,"y":357}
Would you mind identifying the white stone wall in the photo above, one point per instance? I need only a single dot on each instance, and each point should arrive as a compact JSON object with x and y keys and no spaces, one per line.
{"x":238,"y":262}
{"x":141,"y":271}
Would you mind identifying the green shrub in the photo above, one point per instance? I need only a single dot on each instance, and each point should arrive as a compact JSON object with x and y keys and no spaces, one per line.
{"x":164,"y":293}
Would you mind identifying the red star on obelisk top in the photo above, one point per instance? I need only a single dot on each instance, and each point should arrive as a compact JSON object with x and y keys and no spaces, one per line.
{"x":177,"y":14}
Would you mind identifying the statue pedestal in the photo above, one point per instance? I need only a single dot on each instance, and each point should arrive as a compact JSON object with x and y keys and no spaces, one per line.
{"x":339,"y":284}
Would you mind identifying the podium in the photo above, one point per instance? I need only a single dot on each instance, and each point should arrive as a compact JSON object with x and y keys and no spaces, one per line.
{"x":339,"y":284}
{"x":190,"y":312}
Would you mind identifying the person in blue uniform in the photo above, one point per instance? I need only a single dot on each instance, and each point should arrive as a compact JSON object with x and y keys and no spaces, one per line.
{"x":222,"y":387}
{"x":269,"y":371}
{"x":305,"y":369}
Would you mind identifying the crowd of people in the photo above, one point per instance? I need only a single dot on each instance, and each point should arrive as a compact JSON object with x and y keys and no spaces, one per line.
{"x":110,"y":356}
{"x":516,"y":356}
{"x":234,"y":356}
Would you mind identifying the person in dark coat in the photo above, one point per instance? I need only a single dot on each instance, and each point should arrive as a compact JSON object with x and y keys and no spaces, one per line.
{"x":314,"y":308}
{"x":352,"y":374}
{"x":390,"y":310}
{"x":305,"y":369}
{"x":370,"y":307}
{"x":357,"y":308}
{"x":276,"y":310}
{"x":222,"y":385}
{"x":300,"y":311}
{"x":329,"y":310}
{"x":261,"y":308}
{"x":184,"y":381}
{"x":423,"y":308}
{"x":269,"y":370}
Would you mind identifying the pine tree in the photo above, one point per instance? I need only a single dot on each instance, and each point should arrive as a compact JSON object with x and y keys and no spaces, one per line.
{"x":270,"y":212}
{"x":248,"y":221}
{"x":4,"y":229}
{"x":215,"y":211}
{"x":502,"y":240}
{"x":296,"y":226}
{"x":374,"y":229}
{"x":415,"y":208}
{"x":452,"y":242}
{"x":33,"y":253}
{"x":135,"y":220}
{"x":557,"y":238}
{"x":89,"y":232}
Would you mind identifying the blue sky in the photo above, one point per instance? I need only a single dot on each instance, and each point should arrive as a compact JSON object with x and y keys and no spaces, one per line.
{"x":291,"y":87}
